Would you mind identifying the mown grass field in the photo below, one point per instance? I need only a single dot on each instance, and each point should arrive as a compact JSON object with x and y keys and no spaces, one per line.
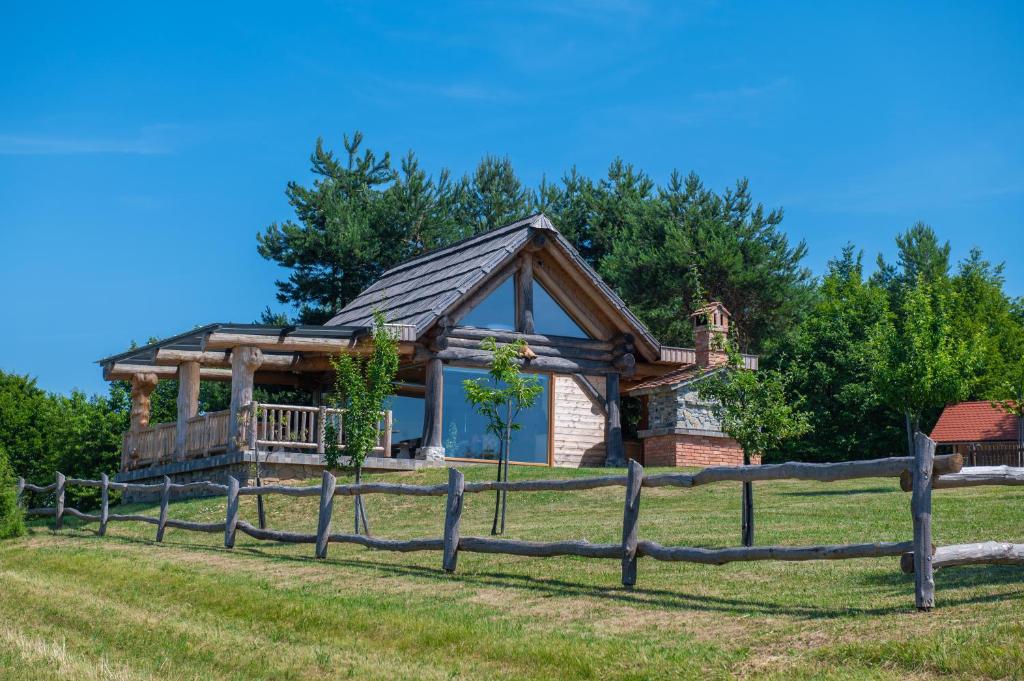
{"x":77,"y":606}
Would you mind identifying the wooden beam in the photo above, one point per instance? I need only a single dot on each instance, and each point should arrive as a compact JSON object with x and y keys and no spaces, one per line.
{"x":532,"y":339}
{"x":124,"y":372}
{"x":524,"y":295}
{"x":558,"y":365}
{"x":431,"y":442}
{"x":226,"y":341}
{"x":188,"y":404}
{"x":615,"y":451}
{"x":570,"y":351}
{"x":244,"y":362}
{"x":210,"y":358}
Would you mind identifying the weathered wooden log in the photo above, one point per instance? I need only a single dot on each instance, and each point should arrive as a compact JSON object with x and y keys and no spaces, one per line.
{"x":391,"y":488}
{"x":980,"y":475}
{"x":548,"y":485}
{"x":279,"y":489}
{"x":433,"y":398}
{"x":562,"y":365}
{"x":630,"y":523}
{"x":323,"y":526}
{"x":531,"y":339}
{"x":59,"y":484}
{"x":41,"y":511}
{"x":87,"y":517}
{"x":104,"y":504}
{"x":786,"y":553}
{"x":820,"y":472}
{"x":624,"y":362}
{"x":514,"y":547}
{"x":19,"y":493}
{"x":615,"y":449}
{"x":921,"y":510}
{"x":231,"y":519}
{"x":668,"y":480}
{"x":41,"y":489}
{"x":133,"y":517}
{"x":453,"y":519}
{"x":982,"y":553}
{"x":942,"y":465}
{"x":194,"y":526}
{"x":571,"y":352}
{"x":524,"y":294}
{"x":276,"y":535}
{"x":165,"y":500}
{"x":245,"y":360}
{"x":187,"y":405}
{"x":401,"y":545}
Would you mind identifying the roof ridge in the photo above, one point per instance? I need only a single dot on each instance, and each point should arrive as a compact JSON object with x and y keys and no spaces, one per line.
{"x":532,"y":220}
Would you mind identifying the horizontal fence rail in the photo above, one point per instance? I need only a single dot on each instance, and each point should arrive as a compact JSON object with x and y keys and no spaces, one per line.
{"x":924,"y":470}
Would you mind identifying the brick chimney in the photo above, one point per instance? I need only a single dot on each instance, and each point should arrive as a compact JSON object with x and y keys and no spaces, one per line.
{"x":710,"y":329}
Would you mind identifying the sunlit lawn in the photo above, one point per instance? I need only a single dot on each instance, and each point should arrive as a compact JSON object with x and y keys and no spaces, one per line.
{"x":77,"y":606}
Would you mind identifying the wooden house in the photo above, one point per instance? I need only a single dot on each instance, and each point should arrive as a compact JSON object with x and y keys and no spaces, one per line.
{"x":982,"y":432}
{"x":521,"y":281}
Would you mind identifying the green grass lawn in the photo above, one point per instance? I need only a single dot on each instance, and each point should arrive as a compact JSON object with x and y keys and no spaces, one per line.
{"x":77,"y":606}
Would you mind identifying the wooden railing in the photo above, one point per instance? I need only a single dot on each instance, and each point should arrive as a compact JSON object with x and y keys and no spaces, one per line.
{"x":917,"y":555}
{"x":207,"y":434}
{"x":284,"y":426}
{"x":147,"y":446}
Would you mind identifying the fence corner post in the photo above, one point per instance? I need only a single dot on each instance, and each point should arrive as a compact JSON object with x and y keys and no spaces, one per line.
{"x":165,"y":498}
{"x":453,"y":518}
{"x":231,"y":521}
{"x":630,"y":521}
{"x":19,"y":494}
{"x":104,"y":503}
{"x":921,"y":510}
{"x":323,"y":526}
{"x":58,"y":518}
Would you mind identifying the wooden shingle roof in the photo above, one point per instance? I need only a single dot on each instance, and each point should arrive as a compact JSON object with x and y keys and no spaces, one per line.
{"x":420,"y":291}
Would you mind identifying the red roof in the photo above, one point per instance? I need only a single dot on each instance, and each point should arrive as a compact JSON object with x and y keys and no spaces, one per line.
{"x":974,"y":422}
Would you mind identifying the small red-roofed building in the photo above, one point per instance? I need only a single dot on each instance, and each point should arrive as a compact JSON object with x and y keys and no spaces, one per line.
{"x":983,"y":433}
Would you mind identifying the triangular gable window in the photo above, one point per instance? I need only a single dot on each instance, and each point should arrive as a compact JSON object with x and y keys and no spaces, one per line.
{"x":550,"y":318}
{"x":496,"y":312}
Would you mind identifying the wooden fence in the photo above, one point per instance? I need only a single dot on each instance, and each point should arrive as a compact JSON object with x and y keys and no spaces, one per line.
{"x":924,"y":471}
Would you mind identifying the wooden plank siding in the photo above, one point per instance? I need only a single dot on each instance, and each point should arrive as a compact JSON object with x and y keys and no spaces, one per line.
{"x":577,"y":423}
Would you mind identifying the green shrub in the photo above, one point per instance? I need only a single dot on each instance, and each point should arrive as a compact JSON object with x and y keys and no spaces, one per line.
{"x":12,"y":518}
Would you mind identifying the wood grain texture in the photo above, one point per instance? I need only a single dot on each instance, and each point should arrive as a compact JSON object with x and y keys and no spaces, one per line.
{"x":58,"y":518}
{"x":784,"y":553}
{"x":921,"y":510}
{"x":165,"y":500}
{"x":981,"y":475}
{"x":980,"y":553}
{"x":453,"y":519}
{"x":323,"y":526}
{"x":104,"y":504}
{"x":231,"y":518}
{"x":514,"y":547}
{"x":630,"y":523}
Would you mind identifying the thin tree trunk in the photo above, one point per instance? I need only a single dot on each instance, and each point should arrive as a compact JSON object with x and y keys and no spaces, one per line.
{"x":747,"y":510}
{"x":360,"y":508}
{"x":497,"y":495}
{"x":504,"y":494}
{"x":260,"y":511}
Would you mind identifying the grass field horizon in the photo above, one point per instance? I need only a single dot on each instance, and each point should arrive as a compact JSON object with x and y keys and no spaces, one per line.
{"x":76,"y":605}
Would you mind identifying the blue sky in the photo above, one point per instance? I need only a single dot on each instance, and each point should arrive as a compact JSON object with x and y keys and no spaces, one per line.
{"x":143,"y":146}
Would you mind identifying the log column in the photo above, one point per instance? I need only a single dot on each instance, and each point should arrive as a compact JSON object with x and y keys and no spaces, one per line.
{"x":432,"y":447}
{"x":142,"y":387}
{"x":245,"y":360}
{"x":524,"y":295}
{"x":614,"y":448}
{"x":188,"y":404}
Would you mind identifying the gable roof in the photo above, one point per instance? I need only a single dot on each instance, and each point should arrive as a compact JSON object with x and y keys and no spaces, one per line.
{"x":974,"y":422}
{"x":420,"y":291}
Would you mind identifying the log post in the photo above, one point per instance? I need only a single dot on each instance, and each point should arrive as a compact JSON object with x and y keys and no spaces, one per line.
{"x":432,"y":447}
{"x":231,"y":521}
{"x":453,"y":518}
{"x":104,"y":503}
{"x":321,"y":431}
{"x":389,"y":425}
{"x":323,"y":526}
{"x":58,"y":518}
{"x":630,"y":521}
{"x":747,"y":515}
{"x":615,"y":450}
{"x":524,"y":295}
{"x":921,"y":509}
{"x":245,"y":359}
{"x":188,"y":405}
{"x":142,"y":387}
{"x":19,"y":494}
{"x":165,"y":499}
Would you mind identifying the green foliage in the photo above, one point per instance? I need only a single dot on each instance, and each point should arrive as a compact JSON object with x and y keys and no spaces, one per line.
{"x":922,"y":361}
{"x":12,"y":517}
{"x":361,"y":387}
{"x":502,"y":396}
{"x":752,"y":406}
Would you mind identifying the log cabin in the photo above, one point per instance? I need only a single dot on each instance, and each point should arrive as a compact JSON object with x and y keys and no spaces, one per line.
{"x":520,"y":281}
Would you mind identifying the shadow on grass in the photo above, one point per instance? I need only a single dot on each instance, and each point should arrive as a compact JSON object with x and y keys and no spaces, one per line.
{"x":838,"y":492}
{"x":893,"y":583}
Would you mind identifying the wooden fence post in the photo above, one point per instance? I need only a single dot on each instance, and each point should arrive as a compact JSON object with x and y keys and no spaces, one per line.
{"x":323,"y":526}
{"x":19,"y":494}
{"x":104,"y":503}
{"x":921,"y":509}
{"x":58,"y":519}
{"x":630,"y":520}
{"x":453,"y":518}
{"x":747,"y":515}
{"x":231,"y":521}
{"x":165,"y":498}
{"x":321,"y":430}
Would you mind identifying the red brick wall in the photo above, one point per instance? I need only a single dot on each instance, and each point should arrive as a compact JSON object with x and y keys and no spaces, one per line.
{"x":693,"y":450}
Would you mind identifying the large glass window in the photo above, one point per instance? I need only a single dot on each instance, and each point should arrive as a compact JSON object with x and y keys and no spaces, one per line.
{"x":407,"y":419}
{"x":465,"y":431}
{"x":497,"y":311}
{"x":550,"y":318}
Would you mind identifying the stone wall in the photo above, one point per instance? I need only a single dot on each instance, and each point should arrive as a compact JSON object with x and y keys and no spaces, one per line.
{"x":578,"y":423}
{"x":680,"y":408}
